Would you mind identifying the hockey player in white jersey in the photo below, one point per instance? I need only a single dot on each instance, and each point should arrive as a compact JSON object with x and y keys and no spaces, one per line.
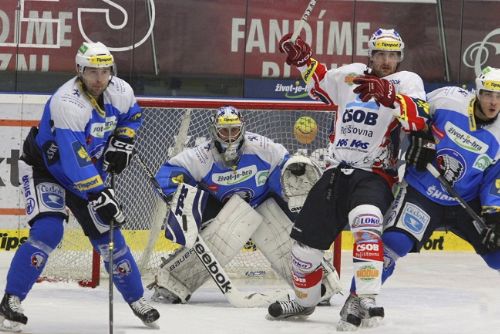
{"x":374,"y":101}
{"x":242,"y":172}
{"x":464,"y":146}
{"x":87,"y":131}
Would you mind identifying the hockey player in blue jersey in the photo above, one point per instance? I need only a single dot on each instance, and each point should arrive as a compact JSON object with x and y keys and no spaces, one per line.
{"x":465,"y":147}
{"x":87,"y":130}
{"x":253,"y":186}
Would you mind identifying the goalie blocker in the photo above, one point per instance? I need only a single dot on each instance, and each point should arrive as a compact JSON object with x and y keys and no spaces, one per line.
{"x":225,"y":235}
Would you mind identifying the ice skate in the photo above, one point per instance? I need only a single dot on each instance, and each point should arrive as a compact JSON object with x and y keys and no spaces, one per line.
{"x":11,"y":314}
{"x":288,"y":309}
{"x":145,"y":312}
{"x":359,"y":311}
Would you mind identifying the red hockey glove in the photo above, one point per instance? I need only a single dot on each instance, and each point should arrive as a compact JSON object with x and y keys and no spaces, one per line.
{"x":381,"y":90}
{"x":298,"y":53}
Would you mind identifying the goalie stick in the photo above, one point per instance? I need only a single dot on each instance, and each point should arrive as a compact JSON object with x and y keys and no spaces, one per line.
{"x":303,"y":20}
{"x":216,"y":271}
{"x":478,"y":222}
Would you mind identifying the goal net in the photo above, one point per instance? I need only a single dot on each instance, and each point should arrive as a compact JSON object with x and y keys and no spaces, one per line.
{"x":169,"y":126}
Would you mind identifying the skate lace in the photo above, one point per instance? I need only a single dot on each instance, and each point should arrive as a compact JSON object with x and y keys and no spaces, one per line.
{"x":15,"y":304}
{"x":367,"y":302}
{"x":352,"y":306}
{"x":141,"y":306}
{"x":291,"y":307}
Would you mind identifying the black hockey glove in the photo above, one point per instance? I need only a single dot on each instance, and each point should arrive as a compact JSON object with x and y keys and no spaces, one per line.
{"x":422,"y":150}
{"x":491,"y":235}
{"x":118,"y":154}
{"x":103,"y":207}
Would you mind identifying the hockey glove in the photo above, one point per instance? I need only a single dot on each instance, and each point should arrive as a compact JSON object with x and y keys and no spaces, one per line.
{"x":118,"y":154}
{"x":491,"y":235}
{"x":103,"y":208}
{"x":422,"y":150}
{"x":298,"y":53}
{"x":371,"y":86}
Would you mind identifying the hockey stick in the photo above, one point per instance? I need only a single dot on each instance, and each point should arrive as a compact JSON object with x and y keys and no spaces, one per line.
{"x":303,"y":20}
{"x":478,"y":222}
{"x":111,"y":247}
{"x":217,"y":273}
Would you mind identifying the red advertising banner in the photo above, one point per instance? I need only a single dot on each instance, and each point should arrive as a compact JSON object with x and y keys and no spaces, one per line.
{"x":447,"y":39}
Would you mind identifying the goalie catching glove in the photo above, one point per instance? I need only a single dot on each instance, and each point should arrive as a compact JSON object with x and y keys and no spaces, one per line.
{"x":118,"y":154}
{"x":297,"y":178}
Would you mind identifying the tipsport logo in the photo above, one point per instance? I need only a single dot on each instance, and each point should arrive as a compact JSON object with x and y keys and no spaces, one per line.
{"x":481,"y":53}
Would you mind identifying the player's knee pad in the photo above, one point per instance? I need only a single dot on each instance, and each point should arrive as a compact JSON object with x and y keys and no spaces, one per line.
{"x":41,"y":198}
{"x":47,"y":232}
{"x":366,"y":223}
{"x":307,"y":273}
{"x":225,"y":236}
{"x":272,"y":238}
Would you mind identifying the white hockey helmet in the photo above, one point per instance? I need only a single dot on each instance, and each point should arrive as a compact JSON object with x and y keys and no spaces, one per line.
{"x":489,"y":80}
{"x":94,"y":55}
{"x":386,"y":40}
{"x":227,"y":130}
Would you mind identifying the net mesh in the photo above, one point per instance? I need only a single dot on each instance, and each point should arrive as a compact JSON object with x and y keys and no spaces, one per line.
{"x":162,"y":134}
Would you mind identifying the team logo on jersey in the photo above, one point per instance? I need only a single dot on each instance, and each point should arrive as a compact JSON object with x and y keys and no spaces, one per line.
{"x":482,"y":162}
{"x":81,"y":154}
{"x":261,"y":177}
{"x":122,"y":268}
{"x":234,"y":177}
{"x":465,"y":140}
{"x":52,"y":195}
{"x":51,"y":151}
{"x":38,"y":260}
{"x":452,"y":165}
{"x":349,"y":78}
{"x":414,"y":219}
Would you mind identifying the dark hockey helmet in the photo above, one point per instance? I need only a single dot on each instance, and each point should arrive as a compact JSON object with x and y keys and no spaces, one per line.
{"x":227,"y":130}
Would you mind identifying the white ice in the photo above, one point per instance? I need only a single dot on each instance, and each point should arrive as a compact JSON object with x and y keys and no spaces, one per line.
{"x":429,"y":293}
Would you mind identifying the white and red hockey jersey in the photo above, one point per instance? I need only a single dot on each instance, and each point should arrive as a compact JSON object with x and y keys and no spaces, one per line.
{"x":366,"y":135}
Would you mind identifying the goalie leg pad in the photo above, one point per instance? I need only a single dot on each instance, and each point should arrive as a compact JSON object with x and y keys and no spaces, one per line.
{"x":225,"y":236}
{"x":272,"y":238}
{"x":307,"y":274}
{"x":185,"y":215}
{"x":368,"y":251}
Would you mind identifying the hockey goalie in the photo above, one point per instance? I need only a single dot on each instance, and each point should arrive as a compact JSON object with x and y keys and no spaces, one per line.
{"x":235,"y":186}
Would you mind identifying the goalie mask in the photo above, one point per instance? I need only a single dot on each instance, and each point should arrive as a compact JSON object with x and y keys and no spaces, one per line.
{"x":227,"y":130}
{"x":386,"y":40}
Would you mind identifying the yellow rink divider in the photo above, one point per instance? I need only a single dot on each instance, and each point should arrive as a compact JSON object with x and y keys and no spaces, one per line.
{"x":137,"y":239}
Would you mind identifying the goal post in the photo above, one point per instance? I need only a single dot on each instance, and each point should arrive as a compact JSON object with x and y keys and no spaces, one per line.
{"x":170,"y":125}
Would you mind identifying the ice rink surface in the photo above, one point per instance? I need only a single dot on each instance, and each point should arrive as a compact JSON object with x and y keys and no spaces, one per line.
{"x":429,"y":293}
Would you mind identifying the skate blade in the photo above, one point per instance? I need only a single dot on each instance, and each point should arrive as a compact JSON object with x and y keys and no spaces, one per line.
{"x":9,"y":326}
{"x":372,"y":322}
{"x":153,"y":325}
{"x":344,"y":326}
